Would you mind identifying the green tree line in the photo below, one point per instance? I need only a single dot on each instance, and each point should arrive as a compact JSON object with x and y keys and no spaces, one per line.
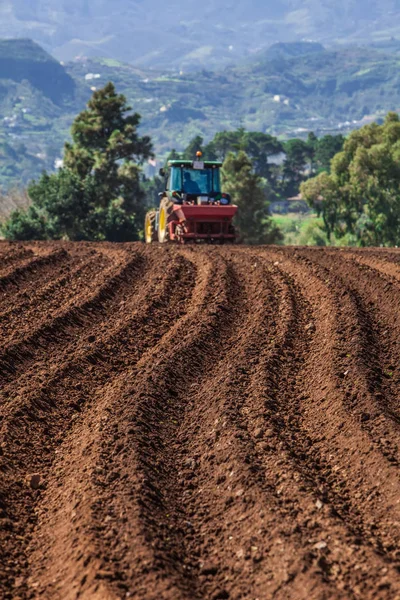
{"x":359,"y":199}
{"x":258,"y":169}
{"x":284,"y":165}
{"x":100,"y":193}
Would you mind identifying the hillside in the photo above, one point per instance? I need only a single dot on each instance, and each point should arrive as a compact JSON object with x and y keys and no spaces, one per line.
{"x":326,"y":91}
{"x":24,"y":60}
{"x":282,"y":50}
{"x":287,"y":91}
{"x":188,"y":34}
{"x":37,"y":97}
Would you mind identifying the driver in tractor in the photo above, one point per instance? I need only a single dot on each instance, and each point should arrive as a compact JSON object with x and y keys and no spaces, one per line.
{"x":191,"y":187}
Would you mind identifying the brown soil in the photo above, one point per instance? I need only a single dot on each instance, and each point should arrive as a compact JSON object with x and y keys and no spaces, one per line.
{"x":199,"y":423}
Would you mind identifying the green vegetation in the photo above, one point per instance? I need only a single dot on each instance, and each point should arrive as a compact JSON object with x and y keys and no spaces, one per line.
{"x":298,"y":159}
{"x":240,"y":110}
{"x":270,"y":182}
{"x":307,"y":229}
{"x":100,"y":193}
{"x":250,"y":192}
{"x":292,"y":225}
{"x":23,"y":60}
{"x":298,"y":91}
{"x":301,"y":229}
{"x":97,"y":195}
{"x":361,"y":195}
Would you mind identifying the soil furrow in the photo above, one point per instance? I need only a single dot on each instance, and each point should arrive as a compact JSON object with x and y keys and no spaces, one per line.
{"x":162,"y":304}
{"x":141,"y":399}
{"x":62,"y":402}
{"x":13,"y":254}
{"x":240,"y":497}
{"x":206,"y":423}
{"x":377,"y":302}
{"x":272,"y":413}
{"x":326,"y":455}
{"x":327,"y":514}
{"x":69,"y":280}
{"x":29,"y":271}
{"x":63,"y":328}
{"x":164,"y":514}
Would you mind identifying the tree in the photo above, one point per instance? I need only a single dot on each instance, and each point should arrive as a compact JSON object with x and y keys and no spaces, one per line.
{"x":65,"y":204}
{"x":106,"y":145}
{"x":325,"y":149}
{"x":260,"y":147}
{"x":321,"y":193}
{"x":97,"y":194}
{"x":250,"y":193}
{"x":152,"y":187}
{"x":195,"y":145}
{"x":298,"y":155}
{"x":24,"y":225}
{"x":225,"y":142}
{"x":361,"y":196}
{"x":173,"y":155}
{"x":257,"y":145}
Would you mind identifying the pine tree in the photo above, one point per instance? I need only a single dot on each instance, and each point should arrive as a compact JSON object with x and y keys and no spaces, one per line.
{"x":250,"y":192}
{"x":97,"y":194}
{"x":195,"y":145}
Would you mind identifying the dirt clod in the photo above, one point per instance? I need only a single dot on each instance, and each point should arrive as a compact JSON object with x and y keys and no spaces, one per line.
{"x":34,"y":481}
{"x":258,"y":433}
{"x":209,"y":569}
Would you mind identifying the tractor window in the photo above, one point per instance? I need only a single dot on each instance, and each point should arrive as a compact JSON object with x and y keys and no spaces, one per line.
{"x":202,"y":181}
{"x":193,"y":181}
{"x":175,"y":180}
{"x":216,"y":180}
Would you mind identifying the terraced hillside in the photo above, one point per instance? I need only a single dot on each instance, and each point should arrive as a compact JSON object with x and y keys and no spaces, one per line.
{"x":199,"y":423}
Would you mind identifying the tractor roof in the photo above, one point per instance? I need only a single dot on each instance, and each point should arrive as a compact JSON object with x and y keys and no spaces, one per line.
{"x":189,"y":163}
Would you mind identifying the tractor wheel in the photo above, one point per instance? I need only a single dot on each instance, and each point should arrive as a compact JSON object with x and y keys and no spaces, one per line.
{"x":150,"y":233}
{"x":166,"y":208}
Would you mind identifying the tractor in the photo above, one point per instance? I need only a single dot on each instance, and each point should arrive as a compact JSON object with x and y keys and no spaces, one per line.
{"x":192,"y":208}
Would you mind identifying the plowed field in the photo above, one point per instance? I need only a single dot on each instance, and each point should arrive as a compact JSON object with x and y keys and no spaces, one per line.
{"x":199,"y":423}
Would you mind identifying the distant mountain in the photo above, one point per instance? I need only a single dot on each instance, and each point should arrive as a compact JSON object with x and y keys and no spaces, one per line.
{"x":283,"y":50}
{"x":23,"y":59}
{"x":188,"y":33}
{"x":36,"y":95}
